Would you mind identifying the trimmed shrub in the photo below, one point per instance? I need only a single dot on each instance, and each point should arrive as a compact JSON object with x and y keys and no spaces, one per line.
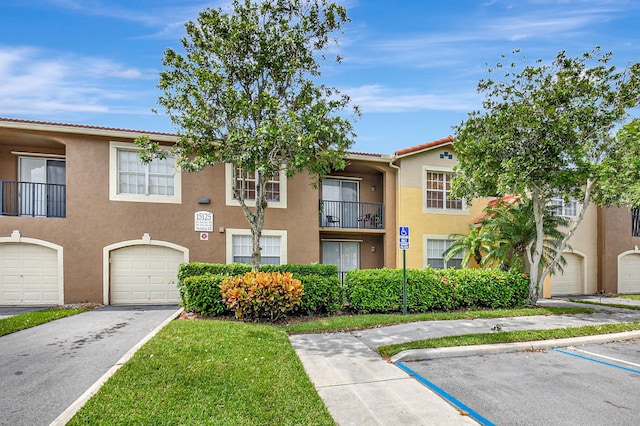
{"x":322,"y":295}
{"x":201,"y":294}
{"x":262,"y":295}
{"x":380,"y":290}
{"x":199,"y":268}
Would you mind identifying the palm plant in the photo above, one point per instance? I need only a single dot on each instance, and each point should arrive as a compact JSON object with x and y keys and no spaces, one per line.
{"x":474,"y":244}
{"x":510,"y":231}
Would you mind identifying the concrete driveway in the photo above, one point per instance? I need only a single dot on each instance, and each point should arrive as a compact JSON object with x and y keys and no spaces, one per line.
{"x":44,"y":369}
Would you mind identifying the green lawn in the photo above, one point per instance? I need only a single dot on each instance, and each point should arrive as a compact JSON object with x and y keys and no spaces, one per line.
{"x":31,"y":319}
{"x":210,"y":372}
{"x":631,"y":296}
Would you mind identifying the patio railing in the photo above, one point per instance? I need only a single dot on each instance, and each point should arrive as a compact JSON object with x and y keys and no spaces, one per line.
{"x":32,"y":199}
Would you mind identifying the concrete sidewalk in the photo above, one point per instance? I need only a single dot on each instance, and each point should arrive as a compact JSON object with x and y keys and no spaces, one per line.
{"x":361,"y":388}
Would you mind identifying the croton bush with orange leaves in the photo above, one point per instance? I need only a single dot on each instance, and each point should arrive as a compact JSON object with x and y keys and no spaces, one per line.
{"x":262,"y":295}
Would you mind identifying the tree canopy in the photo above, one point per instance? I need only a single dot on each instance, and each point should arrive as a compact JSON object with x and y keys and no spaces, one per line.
{"x":549,"y":130}
{"x":245,"y":91}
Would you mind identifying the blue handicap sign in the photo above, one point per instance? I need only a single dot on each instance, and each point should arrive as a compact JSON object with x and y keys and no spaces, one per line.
{"x":404,"y":237}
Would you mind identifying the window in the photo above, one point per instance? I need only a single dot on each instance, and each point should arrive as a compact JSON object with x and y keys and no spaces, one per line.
{"x":249,"y":181}
{"x":276,"y":188}
{"x":564,"y":208}
{"x":41,"y":189}
{"x":130,"y":180}
{"x":340,"y":206}
{"x":635,"y":222}
{"x":273,"y":245}
{"x":435,"y":249}
{"x":437,"y":191}
{"x":344,"y":254}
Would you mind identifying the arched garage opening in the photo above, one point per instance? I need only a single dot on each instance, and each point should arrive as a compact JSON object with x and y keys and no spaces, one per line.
{"x":31,"y":272}
{"x":629,"y":272}
{"x":572,"y":279}
{"x":142,"y":272}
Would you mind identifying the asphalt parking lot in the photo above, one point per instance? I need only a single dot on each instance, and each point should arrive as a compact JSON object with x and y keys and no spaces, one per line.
{"x":596,"y":384}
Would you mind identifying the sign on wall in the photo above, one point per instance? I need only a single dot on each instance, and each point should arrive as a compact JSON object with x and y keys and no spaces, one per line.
{"x":203,"y":221}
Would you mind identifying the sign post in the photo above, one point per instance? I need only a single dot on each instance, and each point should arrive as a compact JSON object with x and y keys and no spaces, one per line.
{"x":404,"y":246}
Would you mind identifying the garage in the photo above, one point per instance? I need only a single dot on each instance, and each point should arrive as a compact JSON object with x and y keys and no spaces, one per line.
{"x":629,"y":273}
{"x":29,"y":275}
{"x":144,"y":274}
{"x":571,"y":280}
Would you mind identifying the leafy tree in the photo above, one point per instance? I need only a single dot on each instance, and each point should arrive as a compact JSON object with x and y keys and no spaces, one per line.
{"x":547,"y":130}
{"x":245,"y":92}
{"x":472,"y":245}
{"x":510,"y":229}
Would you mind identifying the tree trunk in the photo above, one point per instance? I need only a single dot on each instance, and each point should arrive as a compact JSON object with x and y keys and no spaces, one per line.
{"x":258,"y":220}
{"x":535,"y":256}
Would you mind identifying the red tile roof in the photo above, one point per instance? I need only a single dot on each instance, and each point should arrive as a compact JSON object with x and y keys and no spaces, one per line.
{"x":507,"y":199}
{"x":82,"y":126}
{"x":413,"y":149}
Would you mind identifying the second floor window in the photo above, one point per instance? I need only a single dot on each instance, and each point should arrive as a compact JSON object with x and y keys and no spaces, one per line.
{"x":438,"y":191}
{"x":249,"y":182}
{"x":154,"y":178}
{"x":564,"y":207}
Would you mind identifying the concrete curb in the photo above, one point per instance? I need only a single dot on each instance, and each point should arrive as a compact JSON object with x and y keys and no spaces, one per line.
{"x":67,"y":414}
{"x":462,"y":351}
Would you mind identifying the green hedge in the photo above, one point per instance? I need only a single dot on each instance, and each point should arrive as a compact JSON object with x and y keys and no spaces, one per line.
{"x":199,"y":283}
{"x":198,"y":268}
{"x":322,"y":295}
{"x":201,"y":294}
{"x":380,"y":290}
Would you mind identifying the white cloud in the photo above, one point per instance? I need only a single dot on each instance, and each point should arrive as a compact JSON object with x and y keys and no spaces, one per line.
{"x":39,"y":81}
{"x":377,"y":98}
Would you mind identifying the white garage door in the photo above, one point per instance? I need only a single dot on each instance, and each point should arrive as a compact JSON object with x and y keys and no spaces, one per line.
{"x":145,"y":274}
{"x":571,"y":280}
{"x":29,"y":275}
{"x":629,"y":274}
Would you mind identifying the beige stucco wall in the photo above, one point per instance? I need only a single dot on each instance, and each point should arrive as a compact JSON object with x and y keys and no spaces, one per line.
{"x":584,"y":243}
{"x":410,"y":208}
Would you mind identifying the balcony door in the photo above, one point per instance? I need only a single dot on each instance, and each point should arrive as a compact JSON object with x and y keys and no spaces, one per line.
{"x":344,"y":254}
{"x":340,"y":199}
{"x":41,"y":190}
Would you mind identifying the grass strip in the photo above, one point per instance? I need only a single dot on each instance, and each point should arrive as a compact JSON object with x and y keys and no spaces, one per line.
{"x":611,"y":305}
{"x":630,"y":296}
{"x":360,"y":322}
{"x":508,"y":337}
{"x":31,"y":319}
{"x":209,"y":372}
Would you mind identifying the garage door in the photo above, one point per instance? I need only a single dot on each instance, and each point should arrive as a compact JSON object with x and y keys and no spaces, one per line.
{"x":571,"y":280}
{"x":28,"y":275}
{"x":145,"y":274}
{"x":629,"y":274}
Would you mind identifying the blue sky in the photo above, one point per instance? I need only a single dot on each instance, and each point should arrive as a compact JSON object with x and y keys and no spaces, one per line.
{"x":412,"y":66}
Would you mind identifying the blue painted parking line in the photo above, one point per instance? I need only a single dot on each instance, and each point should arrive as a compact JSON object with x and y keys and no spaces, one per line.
{"x":447,"y":396}
{"x":597,"y":361}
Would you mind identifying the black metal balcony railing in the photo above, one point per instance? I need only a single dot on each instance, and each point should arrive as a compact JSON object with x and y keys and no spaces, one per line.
{"x":635,"y":222}
{"x":32,"y":199}
{"x":351,"y":214}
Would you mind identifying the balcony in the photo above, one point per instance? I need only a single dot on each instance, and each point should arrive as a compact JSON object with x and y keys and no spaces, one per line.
{"x":32,"y":199}
{"x":635,"y":222}
{"x":351,"y":215}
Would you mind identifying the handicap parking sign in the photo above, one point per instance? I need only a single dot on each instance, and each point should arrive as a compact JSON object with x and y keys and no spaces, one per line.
{"x":404,"y":237}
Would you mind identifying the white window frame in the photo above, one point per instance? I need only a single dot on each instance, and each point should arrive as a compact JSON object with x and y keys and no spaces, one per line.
{"x":564,"y":208}
{"x":444,"y":209}
{"x":230,"y":184}
{"x":437,"y":237}
{"x":230,"y":232}
{"x":114,"y":195}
